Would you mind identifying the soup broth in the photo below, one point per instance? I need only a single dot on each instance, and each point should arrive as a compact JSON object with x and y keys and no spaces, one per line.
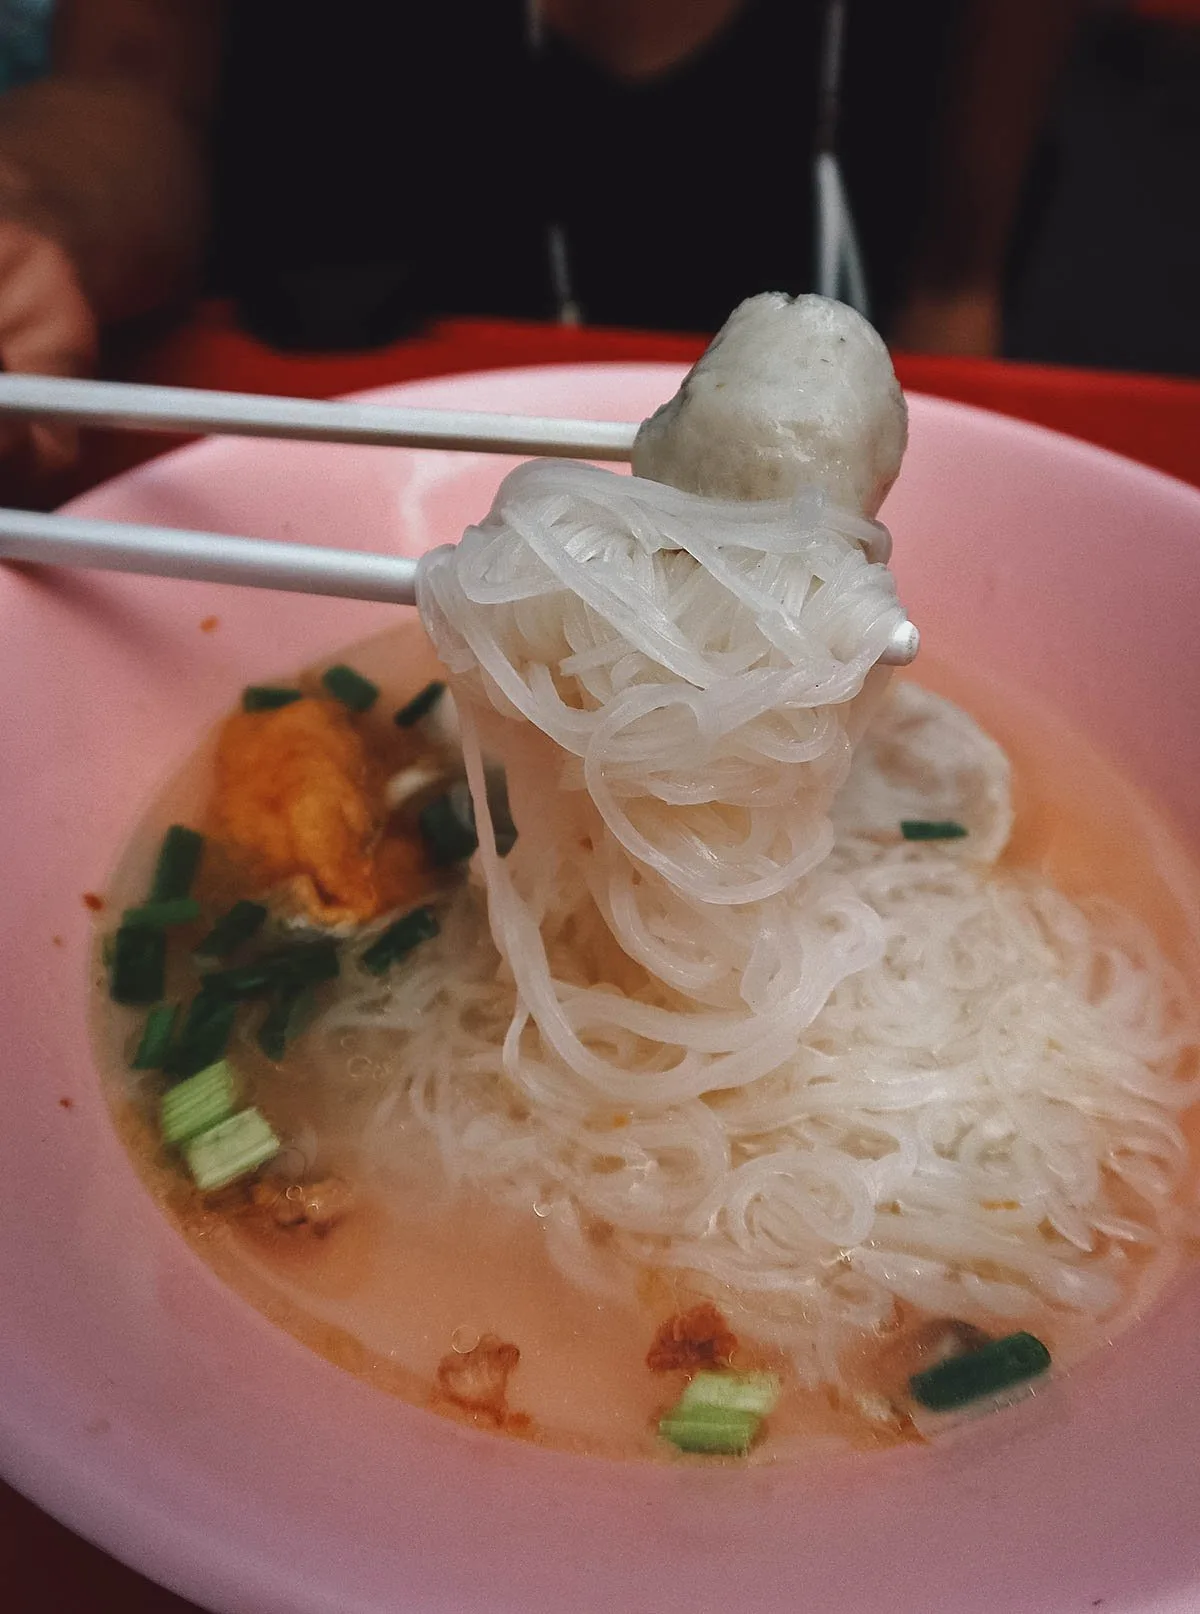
{"x":419,"y":1270}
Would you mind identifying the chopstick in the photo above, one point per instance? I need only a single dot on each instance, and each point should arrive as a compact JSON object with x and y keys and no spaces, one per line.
{"x":206,"y":557}
{"x":210,"y":557}
{"x":237,"y":414}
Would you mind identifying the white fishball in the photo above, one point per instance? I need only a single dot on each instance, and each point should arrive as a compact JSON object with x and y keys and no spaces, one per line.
{"x":792,"y":393}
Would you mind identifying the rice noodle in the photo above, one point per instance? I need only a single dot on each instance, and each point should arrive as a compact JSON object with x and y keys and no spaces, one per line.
{"x":694,"y":1030}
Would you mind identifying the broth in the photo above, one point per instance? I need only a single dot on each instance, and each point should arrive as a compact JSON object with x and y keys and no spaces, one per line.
{"x":396,"y":1286}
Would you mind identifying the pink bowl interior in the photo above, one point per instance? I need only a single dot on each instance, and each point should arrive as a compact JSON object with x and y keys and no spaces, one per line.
{"x":155,"y":1412}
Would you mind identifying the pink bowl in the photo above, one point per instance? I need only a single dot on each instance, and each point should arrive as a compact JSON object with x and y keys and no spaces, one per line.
{"x":155,"y":1412}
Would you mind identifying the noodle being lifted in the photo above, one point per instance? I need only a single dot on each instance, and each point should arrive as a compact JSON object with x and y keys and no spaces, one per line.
{"x":802,"y":1047}
{"x":748,"y":1020}
{"x":674,"y":685}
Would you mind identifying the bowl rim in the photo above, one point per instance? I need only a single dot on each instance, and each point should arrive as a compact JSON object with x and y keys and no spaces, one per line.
{"x":130,"y":1523}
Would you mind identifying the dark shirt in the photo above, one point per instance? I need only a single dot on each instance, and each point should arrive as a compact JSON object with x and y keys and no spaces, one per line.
{"x":409,"y":161}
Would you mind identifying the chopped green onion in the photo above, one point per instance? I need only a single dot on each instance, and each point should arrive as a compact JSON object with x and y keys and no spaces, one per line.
{"x":156,"y":1037}
{"x":243,"y":922}
{"x":713,"y":1430}
{"x":420,"y":706}
{"x":504,"y":831}
{"x":503,"y":828}
{"x":351,"y":688}
{"x":986,"y":1371}
{"x":159,"y":915}
{"x":193,"y":1106}
{"x":931,"y":829}
{"x":265,"y":698}
{"x":178,"y":860}
{"x":139,"y":965}
{"x":205,"y":1036}
{"x":447,"y":837}
{"x":388,"y":948}
{"x":285,"y":1020}
{"x":729,"y":1392}
{"x":720,"y":1412}
{"x":303,"y":965}
{"x":310,"y":963}
{"x":231,"y":1149}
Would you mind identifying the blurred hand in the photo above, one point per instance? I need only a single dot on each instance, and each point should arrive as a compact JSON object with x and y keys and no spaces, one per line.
{"x":46,"y":327}
{"x":966,"y":323}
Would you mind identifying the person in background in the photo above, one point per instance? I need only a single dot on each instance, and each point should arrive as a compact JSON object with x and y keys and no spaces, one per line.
{"x":1108,"y":239}
{"x":646,"y":162}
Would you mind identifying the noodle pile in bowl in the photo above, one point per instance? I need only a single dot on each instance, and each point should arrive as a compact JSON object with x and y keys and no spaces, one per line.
{"x":712,"y":1015}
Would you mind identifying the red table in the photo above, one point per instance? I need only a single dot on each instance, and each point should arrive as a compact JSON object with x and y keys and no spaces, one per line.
{"x":1150,"y":418}
{"x":42,"y":1565}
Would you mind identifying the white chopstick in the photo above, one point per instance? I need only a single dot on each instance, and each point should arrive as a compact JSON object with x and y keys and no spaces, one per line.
{"x":206,"y":557}
{"x":211,"y":557}
{"x":238,"y":414}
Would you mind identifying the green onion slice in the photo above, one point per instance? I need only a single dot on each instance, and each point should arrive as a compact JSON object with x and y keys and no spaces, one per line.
{"x":350,"y":687}
{"x":995,"y":1366}
{"x":156,"y":1037}
{"x":391,"y":945}
{"x":193,"y":1106}
{"x":160,"y":915}
{"x":178,"y":859}
{"x":266,"y":698}
{"x":720,"y":1413}
{"x":729,"y":1392}
{"x":287,"y":1016}
{"x":503,"y":828}
{"x":205,"y":1035}
{"x":420,"y":706}
{"x":303,"y":965}
{"x":448,"y":833}
{"x":932,"y":829}
{"x":233,"y":1148}
{"x":139,"y":965}
{"x":233,"y":929}
{"x":713,"y":1430}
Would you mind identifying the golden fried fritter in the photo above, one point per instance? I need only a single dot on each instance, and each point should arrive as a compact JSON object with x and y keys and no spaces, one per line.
{"x":297,"y":800}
